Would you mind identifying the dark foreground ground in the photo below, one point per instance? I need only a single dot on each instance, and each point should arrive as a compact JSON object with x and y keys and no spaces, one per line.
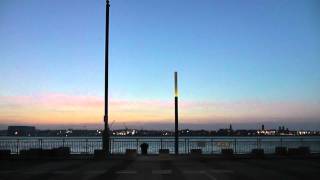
{"x":177,"y":168}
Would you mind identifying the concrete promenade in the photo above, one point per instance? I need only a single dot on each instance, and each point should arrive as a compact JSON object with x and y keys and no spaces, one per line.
{"x":153,"y":167}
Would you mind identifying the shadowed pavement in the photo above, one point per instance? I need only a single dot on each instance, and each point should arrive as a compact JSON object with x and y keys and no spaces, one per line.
{"x":146,"y":167}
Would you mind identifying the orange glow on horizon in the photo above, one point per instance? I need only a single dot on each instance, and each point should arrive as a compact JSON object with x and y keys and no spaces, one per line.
{"x":62,"y":109}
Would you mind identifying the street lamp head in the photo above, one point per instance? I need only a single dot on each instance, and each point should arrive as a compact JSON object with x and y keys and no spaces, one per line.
{"x":176,"y":84}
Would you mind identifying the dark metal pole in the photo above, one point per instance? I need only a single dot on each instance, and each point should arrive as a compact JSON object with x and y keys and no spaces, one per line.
{"x":106,"y":135}
{"x":176,"y":129}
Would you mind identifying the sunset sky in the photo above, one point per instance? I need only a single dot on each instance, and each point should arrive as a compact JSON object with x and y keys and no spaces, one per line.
{"x":241,"y":62}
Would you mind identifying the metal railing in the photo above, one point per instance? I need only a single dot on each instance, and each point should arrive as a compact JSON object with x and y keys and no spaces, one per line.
{"x":118,"y":145}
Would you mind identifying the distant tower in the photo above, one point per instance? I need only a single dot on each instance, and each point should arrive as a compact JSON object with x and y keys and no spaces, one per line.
{"x":230,"y":127}
{"x":262,"y":127}
{"x":176,"y":129}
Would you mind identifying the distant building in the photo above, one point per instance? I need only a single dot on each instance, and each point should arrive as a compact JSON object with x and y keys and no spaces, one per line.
{"x":21,"y":131}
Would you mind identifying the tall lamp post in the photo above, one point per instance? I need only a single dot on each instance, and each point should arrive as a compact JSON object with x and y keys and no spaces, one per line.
{"x":106,"y":135}
{"x":176,"y":118}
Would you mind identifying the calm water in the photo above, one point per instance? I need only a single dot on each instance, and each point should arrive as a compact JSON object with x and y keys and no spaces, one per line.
{"x":209,"y":145}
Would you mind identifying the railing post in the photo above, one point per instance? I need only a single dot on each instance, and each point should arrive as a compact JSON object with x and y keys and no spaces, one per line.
{"x":17,"y":146}
{"x":281,"y":141}
{"x":40,"y":143}
{"x":161,"y":143}
{"x":63,"y":142}
{"x":188,"y":146}
{"x":235,"y":145}
{"x":185,"y":146}
{"x":211,"y":145}
{"x":86,"y":145}
{"x":137,"y":144}
{"x":111,"y":145}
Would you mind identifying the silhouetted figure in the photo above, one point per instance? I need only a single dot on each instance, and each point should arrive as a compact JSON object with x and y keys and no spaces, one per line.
{"x":144,"y":148}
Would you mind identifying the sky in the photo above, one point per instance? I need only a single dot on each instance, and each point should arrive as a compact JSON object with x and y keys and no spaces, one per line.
{"x":243,"y":62}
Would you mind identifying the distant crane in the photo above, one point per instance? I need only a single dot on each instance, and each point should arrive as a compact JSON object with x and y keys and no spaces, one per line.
{"x":110,"y":126}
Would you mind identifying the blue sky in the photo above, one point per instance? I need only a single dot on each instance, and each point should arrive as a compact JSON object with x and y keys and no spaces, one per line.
{"x":224,"y":51}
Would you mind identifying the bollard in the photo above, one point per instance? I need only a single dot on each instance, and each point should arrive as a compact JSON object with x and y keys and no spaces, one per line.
{"x":281,"y":151}
{"x":131,"y":154}
{"x":5,"y":154}
{"x":227,"y":153}
{"x":144,"y":148}
{"x":257,"y":153}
